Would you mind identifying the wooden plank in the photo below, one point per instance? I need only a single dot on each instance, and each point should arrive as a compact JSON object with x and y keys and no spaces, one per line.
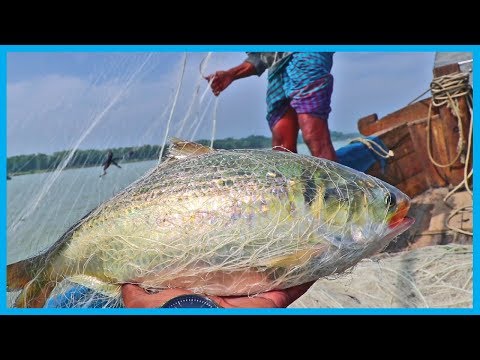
{"x":409,"y":166}
{"x":446,"y":69}
{"x":365,"y":122}
{"x":413,"y":186}
{"x":415,"y":111}
{"x":441,"y":128}
{"x":452,"y":132}
{"x":397,"y":139}
{"x":371,"y":124}
{"x":418,"y":133}
{"x":444,"y":142}
{"x":403,"y":164}
{"x":397,"y":171}
{"x":387,"y":176}
{"x":449,"y":130}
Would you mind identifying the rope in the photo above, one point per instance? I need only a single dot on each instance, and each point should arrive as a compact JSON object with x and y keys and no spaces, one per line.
{"x":214,"y":122}
{"x":445,"y":91}
{"x":201,"y":68}
{"x":469,"y":146}
{"x":466,"y":177}
{"x":369,"y":143}
{"x":173,"y":107}
{"x":418,"y":97}
{"x":468,"y":209}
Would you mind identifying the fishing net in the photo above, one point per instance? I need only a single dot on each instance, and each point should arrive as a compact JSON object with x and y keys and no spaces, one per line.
{"x":43,"y":206}
{"x":228,"y":223}
{"x":431,"y":277}
{"x":61,"y":122}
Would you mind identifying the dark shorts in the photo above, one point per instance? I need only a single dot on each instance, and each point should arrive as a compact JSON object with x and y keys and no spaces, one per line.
{"x":304,"y":83}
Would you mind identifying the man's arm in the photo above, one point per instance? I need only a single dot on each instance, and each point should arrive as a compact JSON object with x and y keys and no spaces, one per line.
{"x":255,"y":64}
{"x":222,"y":79}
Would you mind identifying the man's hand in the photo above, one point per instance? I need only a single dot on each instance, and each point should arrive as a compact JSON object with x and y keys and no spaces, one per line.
{"x":220,"y":81}
{"x":135,"y":297}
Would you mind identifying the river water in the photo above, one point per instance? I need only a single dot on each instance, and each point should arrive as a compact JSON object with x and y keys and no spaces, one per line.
{"x":72,"y":195}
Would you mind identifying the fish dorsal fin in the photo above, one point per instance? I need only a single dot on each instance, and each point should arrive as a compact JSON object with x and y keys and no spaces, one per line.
{"x":180,"y":149}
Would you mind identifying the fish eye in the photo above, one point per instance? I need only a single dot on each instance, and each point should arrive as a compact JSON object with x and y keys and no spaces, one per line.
{"x":390,"y":200}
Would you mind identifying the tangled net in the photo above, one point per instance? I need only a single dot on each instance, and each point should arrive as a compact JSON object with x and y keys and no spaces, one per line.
{"x":223,"y":223}
{"x":431,"y":277}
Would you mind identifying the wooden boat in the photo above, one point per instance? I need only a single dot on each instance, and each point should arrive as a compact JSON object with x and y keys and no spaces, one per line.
{"x":405,"y":132}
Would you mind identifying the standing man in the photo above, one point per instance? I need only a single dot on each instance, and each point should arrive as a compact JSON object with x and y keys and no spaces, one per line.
{"x":110,"y":160}
{"x":298,"y":96}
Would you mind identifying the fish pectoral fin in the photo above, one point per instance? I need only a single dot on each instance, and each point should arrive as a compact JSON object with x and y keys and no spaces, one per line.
{"x":296,"y":259}
{"x":180,"y":149}
{"x":96,"y":284}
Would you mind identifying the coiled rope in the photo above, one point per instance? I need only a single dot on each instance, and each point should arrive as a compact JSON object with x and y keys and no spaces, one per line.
{"x":466,"y":177}
{"x":446,"y":90}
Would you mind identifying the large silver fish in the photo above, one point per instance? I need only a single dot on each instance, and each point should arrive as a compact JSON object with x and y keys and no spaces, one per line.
{"x":222,"y":223}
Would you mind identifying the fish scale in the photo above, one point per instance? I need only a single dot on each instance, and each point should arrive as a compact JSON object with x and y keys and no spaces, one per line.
{"x":222,"y":223}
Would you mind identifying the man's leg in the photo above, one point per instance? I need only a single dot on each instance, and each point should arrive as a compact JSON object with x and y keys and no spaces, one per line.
{"x":285,"y":131}
{"x":309,"y":85}
{"x":317,"y":136}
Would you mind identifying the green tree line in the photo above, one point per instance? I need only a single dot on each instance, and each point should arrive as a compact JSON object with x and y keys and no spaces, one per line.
{"x":22,"y":164}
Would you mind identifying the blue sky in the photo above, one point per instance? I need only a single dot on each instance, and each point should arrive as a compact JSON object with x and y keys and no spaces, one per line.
{"x":56,"y":101}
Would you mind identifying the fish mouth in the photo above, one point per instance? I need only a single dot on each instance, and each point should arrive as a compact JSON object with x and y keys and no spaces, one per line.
{"x":398,"y":228}
{"x":406,"y":221}
{"x":400,"y":222}
{"x":400,"y":215}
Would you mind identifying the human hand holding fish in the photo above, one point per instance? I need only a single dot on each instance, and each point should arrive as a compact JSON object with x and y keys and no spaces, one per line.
{"x":136,"y":297}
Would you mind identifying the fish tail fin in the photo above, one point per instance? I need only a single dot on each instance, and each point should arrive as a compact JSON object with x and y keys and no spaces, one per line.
{"x":20,"y":274}
{"x":35,"y":294}
{"x":32,"y":277}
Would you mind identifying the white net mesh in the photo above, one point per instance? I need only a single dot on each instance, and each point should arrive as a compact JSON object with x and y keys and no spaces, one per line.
{"x":430,"y":277}
{"x":228,"y":223}
{"x":237,"y":222}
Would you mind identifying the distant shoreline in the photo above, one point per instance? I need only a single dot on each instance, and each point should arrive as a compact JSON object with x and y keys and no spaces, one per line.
{"x":40,"y":163}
